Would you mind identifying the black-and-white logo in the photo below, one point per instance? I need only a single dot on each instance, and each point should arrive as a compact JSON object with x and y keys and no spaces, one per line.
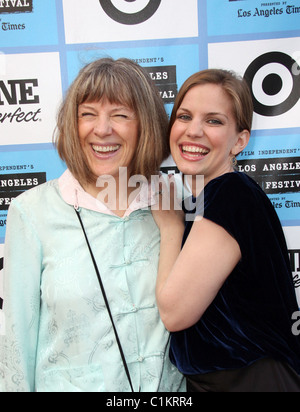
{"x":12,"y":185}
{"x":274,"y":83}
{"x":16,"y":6}
{"x":165,"y":79}
{"x":19,"y":92}
{"x":28,"y":98}
{"x":274,"y":175}
{"x":118,"y":10}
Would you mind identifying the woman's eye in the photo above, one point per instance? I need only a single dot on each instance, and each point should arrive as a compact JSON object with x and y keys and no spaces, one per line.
{"x":86,"y":114}
{"x":121,"y":116}
{"x":215,"y":122}
{"x":184,"y":117}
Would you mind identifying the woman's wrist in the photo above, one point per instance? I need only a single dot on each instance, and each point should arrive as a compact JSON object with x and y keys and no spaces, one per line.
{"x":172,"y":231}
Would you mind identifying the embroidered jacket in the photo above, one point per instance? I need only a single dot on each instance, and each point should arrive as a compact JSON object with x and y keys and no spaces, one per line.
{"x":58,"y":334}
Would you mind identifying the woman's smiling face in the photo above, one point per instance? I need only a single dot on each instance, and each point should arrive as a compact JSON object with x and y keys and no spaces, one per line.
{"x":204,"y":136}
{"x":108,"y":134}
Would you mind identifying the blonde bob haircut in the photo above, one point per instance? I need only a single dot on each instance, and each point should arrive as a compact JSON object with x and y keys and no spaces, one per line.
{"x":123,"y":82}
{"x":235,"y":87}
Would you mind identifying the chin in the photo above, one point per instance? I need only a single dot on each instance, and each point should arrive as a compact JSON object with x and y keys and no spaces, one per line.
{"x":188,"y":170}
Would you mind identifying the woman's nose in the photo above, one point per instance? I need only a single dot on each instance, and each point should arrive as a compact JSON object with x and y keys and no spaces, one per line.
{"x":195,"y":129}
{"x":102,"y":126}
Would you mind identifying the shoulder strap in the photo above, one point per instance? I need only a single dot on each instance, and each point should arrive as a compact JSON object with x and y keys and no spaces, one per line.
{"x":106,"y":301}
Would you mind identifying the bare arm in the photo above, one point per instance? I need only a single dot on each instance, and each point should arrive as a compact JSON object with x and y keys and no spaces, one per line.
{"x":189,"y":280}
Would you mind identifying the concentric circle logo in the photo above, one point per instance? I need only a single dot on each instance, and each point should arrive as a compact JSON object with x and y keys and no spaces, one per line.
{"x":130,"y":12}
{"x":274,"y":83}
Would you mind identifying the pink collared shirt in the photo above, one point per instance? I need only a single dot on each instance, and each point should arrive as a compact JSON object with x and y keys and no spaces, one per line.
{"x":74,"y":194}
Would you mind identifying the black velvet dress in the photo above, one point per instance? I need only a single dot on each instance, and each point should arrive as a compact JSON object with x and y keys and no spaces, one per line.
{"x":244,"y":339}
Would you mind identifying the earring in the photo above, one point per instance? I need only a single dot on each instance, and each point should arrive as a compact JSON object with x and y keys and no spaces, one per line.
{"x":234,"y":162}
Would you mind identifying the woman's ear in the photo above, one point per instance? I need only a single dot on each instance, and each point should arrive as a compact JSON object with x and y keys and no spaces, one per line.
{"x":242,"y":142}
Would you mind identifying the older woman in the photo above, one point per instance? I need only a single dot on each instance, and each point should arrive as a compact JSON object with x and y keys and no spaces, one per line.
{"x":79,"y":276}
{"x":228,"y":295}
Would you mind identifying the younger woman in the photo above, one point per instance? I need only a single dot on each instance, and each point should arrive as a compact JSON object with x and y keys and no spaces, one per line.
{"x":228,"y":295}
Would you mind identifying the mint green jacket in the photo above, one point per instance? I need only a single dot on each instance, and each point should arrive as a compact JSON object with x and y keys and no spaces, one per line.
{"x":58,"y":336}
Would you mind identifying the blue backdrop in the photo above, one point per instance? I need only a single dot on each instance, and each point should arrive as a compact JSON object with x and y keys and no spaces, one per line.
{"x":44,"y":43}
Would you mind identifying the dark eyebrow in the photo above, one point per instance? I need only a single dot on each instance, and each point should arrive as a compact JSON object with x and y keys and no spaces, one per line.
{"x":207,"y":114}
{"x":217,"y":114}
{"x":183,"y":109}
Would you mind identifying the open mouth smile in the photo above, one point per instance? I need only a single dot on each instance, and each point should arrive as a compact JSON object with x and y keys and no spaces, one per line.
{"x":105,"y":151}
{"x":192,"y":152}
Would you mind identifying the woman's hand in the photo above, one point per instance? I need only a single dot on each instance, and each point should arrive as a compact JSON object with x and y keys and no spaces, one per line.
{"x":168,"y":213}
{"x":188,"y":280}
{"x":169,"y":217}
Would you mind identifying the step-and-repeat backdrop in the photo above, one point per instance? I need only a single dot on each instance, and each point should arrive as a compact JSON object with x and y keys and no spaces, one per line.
{"x":44,"y":43}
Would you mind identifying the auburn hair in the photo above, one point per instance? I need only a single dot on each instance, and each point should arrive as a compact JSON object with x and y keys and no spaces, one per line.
{"x":235,"y":87}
